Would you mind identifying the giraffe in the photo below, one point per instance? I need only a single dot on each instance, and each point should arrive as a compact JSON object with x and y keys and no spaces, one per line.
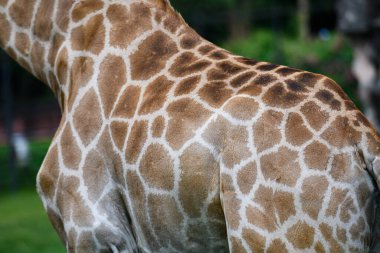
{"x":169,"y":143}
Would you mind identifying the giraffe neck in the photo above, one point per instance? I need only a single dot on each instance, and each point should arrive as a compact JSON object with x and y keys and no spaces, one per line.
{"x":42,"y":34}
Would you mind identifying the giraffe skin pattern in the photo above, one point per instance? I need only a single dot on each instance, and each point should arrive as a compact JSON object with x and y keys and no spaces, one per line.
{"x":169,"y":143}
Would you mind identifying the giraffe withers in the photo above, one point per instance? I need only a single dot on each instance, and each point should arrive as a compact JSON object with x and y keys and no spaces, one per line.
{"x":171,"y":144}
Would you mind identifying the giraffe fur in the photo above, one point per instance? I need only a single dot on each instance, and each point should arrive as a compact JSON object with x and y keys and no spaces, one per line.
{"x":169,"y":143}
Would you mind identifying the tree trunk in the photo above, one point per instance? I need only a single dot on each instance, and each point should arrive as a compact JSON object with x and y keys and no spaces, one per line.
{"x":239,"y":19}
{"x":304,"y":19}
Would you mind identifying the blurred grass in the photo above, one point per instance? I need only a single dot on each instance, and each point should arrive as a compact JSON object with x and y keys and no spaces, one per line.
{"x":26,"y":176}
{"x":24,"y":225}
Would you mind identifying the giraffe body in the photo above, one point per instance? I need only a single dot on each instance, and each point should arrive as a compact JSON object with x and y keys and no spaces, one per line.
{"x":170,"y":144}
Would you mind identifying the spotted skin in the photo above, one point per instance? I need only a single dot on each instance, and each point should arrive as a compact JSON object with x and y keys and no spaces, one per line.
{"x":169,"y":143}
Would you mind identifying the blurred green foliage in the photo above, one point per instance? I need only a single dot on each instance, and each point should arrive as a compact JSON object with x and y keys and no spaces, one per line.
{"x":24,"y":226}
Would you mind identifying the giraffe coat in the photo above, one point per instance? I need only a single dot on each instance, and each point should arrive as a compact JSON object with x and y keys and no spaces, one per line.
{"x":169,"y":143}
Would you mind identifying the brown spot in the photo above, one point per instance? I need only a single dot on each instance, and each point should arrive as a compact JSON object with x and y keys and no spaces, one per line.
{"x":357,"y":229}
{"x":3,"y":2}
{"x":128,"y":101}
{"x":267,"y":125}
{"x":219,"y":55}
{"x":214,"y":209}
{"x":70,"y":150}
{"x":112,"y":160}
{"x":341,"y":169}
{"x":87,"y":118}
{"x":327,"y":232}
{"x":301,"y":235}
{"x":155,"y":95}
{"x":190,"y":39}
{"x":23,"y":43}
{"x":206,"y":49}
{"x":5,"y":30}
{"x":166,"y":218}
{"x":296,"y":132}
{"x":315,"y":115}
{"x":43,"y":23}
{"x":152,"y":55}
{"x":215,"y":93}
{"x":56,"y":221}
{"x":242,"y":79}
{"x":255,"y":241}
{"x":171,"y":23}
{"x":81,"y":73}
{"x":246,"y":177}
{"x":90,"y":36}
{"x":246,"y":61}
{"x":53,"y":83}
{"x":319,"y":248}
{"x":95,"y":175}
{"x":313,"y":193}
{"x":347,"y":208}
{"x":230,"y":68}
{"x":267,"y":67}
{"x":229,"y":140}
{"x":286,"y":71}
{"x":37,"y":58}
{"x":332,"y":85}
{"x":216,"y":75}
{"x":199,"y":177}
{"x":277,"y":206}
{"x":317,"y":156}
{"x":156,"y":167}
{"x":56,"y":43}
{"x":85,"y":243}
{"x":83,"y":8}
{"x":237,"y":245}
{"x":111,"y":78}
{"x":242,"y":108}
{"x":295,"y":86}
{"x":341,"y":134}
{"x":158,"y":127}
{"x":308,"y":79}
{"x":277,"y":246}
{"x":138,"y":197}
{"x":328,"y":98}
{"x":187,"y":85}
{"x":251,"y":90}
{"x":25,"y":64}
{"x":119,"y":131}
{"x":373,"y":141}
{"x":281,"y":166}
{"x":49,"y":173}
{"x":61,"y":67}
{"x":124,"y":29}
{"x":62,"y":18}
{"x":21,"y":11}
{"x":342,"y":235}
{"x":360,"y":120}
{"x":186,"y":116}
{"x":136,"y":140}
{"x":264,"y":79}
{"x":337,"y":197}
{"x":363,"y":193}
{"x":278,"y":96}
{"x":71,"y":204}
{"x":187,"y":63}
{"x":231,"y":202}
